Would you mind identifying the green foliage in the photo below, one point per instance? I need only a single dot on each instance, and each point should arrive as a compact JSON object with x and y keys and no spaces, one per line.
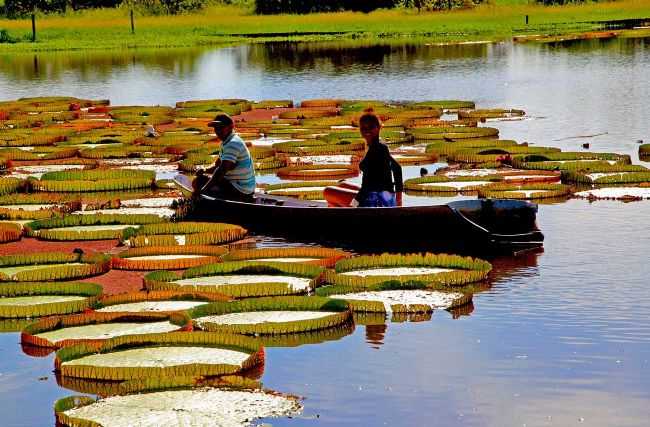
{"x":5,"y":37}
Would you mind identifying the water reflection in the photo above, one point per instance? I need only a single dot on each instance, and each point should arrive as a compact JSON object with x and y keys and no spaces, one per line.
{"x":555,"y":338}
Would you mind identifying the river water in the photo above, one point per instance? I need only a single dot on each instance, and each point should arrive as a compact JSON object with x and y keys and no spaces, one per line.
{"x":561,"y":338}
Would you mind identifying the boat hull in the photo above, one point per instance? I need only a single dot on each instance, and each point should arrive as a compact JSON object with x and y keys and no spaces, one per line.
{"x":470,"y":226}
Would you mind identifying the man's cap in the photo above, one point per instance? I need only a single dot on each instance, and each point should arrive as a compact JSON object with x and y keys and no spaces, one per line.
{"x":221,"y":120}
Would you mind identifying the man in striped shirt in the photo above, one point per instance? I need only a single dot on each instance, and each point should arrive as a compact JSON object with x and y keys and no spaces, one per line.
{"x":233,"y":175}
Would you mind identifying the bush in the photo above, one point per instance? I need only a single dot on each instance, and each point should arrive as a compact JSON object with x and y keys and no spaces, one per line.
{"x":18,"y":8}
{"x":161,"y":7}
{"x":5,"y":37}
{"x":310,"y":6}
{"x":88,"y":4}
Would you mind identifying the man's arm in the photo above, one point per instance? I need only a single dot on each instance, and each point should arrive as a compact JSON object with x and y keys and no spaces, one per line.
{"x":219,"y":173}
{"x":214,"y":167}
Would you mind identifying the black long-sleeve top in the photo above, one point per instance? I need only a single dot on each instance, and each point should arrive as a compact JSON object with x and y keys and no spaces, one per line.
{"x":380,"y":171}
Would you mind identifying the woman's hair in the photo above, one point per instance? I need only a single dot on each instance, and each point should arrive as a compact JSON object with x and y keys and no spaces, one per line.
{"x":369,"y":118}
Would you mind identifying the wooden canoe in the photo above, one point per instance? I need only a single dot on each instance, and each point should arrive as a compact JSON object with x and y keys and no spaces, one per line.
{"x":468,"y":225}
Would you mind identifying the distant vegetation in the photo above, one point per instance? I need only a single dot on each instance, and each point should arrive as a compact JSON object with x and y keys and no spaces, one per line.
{"x":21,"y":8}
{"x":219,"y":24}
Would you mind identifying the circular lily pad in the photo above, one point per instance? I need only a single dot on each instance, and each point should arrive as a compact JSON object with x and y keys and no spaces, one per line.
{"x":186,"y":233}
{"x":95,"y":180}
{"x":525,"y":191}
{"x":57,"y":332}
{"x":240,"y":279}
{"x":310,"y":255}
{"x":156,"y":301}
{"x":430,"y":269}
{"x":616,"y":193}
{"x":317,"y":171}
{"x":29,"y":299}
{"x":197,"y":407}
{"x":160,"y":355}
{"x":87,"y":227}
{"x":439,"y":183}
{"x":46,"y":266}
{"x":167,"y":257}
{"x":269,"y":316}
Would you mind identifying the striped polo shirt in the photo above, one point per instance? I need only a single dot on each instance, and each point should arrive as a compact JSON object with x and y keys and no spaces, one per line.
{"x":242,"y":177}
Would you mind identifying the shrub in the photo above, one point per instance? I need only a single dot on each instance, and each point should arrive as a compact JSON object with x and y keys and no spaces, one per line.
{"x":310,"y":6}
{"x":18,"y":8}
{"x":6,"y":38}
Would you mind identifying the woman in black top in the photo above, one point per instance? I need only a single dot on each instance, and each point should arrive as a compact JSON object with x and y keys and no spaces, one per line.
{"x":381,"y":185}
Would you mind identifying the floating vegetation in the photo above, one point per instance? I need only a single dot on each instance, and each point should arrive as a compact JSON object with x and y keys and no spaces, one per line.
{"x":92,"y":328}
{"x":11,"y":185}
{"x":269,"y":316}
{"x":625,"y":194}
{"x":309,"y":255}
{"x":432,"y":269}
{"x":88,"y":227}
{"x":452,"y":133}
{"x":196,"y":407}
{"x":316,"y":336}
{"x":403,"y":301}
{"x":167,"y":257}
{"x":95,"y":180}
{"x":185,"y":233}
{"x":168,"y":354}
{"x":495,"y":154}
{"x":611,"y":177}
{"x":34,"y":299}
{"x":414,"y":159}
{"x":10,"y":232}
{"x":321,"y":147}
{"x":441,"y":183}
{"x":524,"y":191}
{"x":317,"y":171}
{"x":307,"y":190}
{"x":156,"y":301}
{"x":248,"y":380}
{"x":49,"y":266}
{"x":493,"y":113}
{"x":240,"y":279}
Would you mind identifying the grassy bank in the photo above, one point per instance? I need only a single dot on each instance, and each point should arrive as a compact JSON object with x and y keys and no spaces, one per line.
{"x":110,"y":29}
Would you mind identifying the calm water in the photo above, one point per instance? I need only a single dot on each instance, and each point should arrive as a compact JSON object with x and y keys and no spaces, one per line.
{"x":561,"y":338}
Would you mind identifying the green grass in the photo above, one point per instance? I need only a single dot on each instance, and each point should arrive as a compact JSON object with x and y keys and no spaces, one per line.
{"x":110,"y":28}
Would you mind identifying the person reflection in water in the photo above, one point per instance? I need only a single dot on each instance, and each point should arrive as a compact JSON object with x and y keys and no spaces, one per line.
{"x":381,"y":184}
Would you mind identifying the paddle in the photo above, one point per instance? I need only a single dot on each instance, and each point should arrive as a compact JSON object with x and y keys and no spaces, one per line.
{"x":184,"y":181}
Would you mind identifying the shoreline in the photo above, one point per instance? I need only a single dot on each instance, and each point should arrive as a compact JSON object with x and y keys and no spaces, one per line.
{"x":109,"y":29}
